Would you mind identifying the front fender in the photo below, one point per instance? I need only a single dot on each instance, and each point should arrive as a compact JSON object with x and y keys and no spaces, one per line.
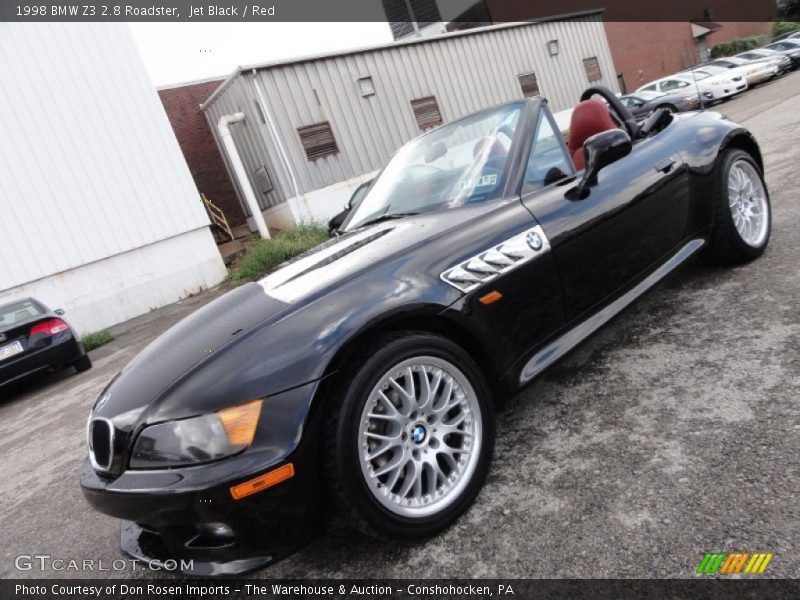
{"x":297,"y":348}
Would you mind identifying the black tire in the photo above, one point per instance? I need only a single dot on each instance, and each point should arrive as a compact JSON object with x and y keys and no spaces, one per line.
{"x":671,"y":108}
{"x":726,"y":246}
{"x":346,"y":482}
{"x":84,"y":363}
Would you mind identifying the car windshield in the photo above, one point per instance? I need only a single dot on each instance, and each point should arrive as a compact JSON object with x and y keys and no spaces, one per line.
{"x":462,"y":162}
{"x":728,"y":63}
{"x":751,"y":55}
{"x":784,"y":45}
{"x":17,"y":312}
{"x":712,"y":70}
{"x":359,"y":194}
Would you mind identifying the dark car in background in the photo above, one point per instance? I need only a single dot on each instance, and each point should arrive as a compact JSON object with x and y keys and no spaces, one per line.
{"x":789,"y":48}
{"x":790,"y":35}
{"x":34,"y":339}
{"x":641,"y":104}
{"x":352,"y":204}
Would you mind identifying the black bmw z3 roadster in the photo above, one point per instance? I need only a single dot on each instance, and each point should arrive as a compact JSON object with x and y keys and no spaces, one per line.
{"x":361,"y":377}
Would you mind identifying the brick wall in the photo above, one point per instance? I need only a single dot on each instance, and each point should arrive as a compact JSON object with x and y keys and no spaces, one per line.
{"x":731,"y":31}
{"x":199,"y":149}
{"x":646,"y":51}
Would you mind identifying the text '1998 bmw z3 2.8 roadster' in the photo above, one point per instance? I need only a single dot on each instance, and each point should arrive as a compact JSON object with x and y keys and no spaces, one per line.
{"x":362,"y":375}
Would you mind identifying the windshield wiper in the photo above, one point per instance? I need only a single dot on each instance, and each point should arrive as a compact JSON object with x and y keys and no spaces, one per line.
{"x":387,"y":217}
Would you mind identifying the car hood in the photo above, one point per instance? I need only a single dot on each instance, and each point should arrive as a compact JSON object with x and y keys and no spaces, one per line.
{"x":238,"y":324}
{"x":184,"y":347}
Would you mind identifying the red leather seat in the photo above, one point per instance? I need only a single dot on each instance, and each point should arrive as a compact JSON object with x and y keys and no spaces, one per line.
{"x":588,"y":118}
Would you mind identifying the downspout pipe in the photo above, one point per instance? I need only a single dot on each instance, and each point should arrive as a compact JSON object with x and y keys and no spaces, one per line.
{"x":223,"y":127}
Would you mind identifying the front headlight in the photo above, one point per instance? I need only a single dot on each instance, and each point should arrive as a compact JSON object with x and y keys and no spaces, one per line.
{"x":198,"y":439}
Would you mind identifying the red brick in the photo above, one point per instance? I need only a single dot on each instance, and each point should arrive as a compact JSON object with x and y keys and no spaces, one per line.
{"x":182,"y":105}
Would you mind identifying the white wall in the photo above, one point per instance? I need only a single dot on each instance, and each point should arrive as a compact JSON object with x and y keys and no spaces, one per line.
{"x":115,"y":289}
{"x":89,"y":171}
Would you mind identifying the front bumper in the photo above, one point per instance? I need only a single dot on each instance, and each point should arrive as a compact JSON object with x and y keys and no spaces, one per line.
{"x":178,"y":514}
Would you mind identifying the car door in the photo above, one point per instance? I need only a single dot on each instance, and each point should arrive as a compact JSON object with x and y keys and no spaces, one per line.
{"x":632,"y":218}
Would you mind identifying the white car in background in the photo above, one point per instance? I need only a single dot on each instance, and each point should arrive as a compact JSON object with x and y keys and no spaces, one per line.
{"x":722,"y":81}
{"x":783,"y":63}
{"x":709,"y":91}
{"x":753,"y":71}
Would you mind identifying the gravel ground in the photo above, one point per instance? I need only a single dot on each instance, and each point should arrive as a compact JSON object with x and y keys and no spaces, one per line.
{"x":673,"y":431}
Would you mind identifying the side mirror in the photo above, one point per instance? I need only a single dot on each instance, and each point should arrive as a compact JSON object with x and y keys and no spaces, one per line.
{"x":59,"y":311}
{"x":600,"y":150}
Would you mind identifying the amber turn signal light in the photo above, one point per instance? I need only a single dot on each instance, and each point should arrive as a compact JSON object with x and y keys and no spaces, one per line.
{"x":240,"y":423}
{"x":491,"y":297}
{"x":262,"y":482}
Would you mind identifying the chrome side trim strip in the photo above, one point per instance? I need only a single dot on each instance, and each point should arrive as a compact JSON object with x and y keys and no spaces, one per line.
{"x":473,"y":272}
{"x":555,"y":350}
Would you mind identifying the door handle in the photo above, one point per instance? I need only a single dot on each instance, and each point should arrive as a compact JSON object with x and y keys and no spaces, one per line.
{"x":665,"y":165}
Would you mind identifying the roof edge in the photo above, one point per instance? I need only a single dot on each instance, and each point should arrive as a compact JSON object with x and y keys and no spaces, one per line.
{"x":394,"y":44}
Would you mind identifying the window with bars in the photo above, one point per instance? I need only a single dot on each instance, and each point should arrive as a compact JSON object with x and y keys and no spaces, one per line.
{"x":318,"y":140}
{"x":592,"y":68}
{"x":407,"y":16}
{"x":426,"y":112}
{"x":529,"y":85}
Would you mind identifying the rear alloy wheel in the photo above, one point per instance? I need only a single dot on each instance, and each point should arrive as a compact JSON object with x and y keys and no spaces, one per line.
{"x":747,"y":200}
{"x":742,"y":212}
{"x":414,"y":437}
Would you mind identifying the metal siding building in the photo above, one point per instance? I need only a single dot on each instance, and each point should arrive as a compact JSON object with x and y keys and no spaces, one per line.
{"x":98,"y":211}
{"x":464,"y":71}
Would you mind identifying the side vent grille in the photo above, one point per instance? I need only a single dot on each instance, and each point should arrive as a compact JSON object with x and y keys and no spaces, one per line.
{"x":497,"y":260}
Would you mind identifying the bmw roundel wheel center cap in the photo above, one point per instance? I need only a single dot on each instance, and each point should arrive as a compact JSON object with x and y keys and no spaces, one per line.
{"x":419,"y":433}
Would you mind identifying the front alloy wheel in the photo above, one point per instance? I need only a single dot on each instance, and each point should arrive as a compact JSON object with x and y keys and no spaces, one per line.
{"x":411,"y":436}
{"x":420,"y":436}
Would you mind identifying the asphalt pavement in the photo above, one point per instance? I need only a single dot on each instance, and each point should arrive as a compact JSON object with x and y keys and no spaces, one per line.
{"x":672,"y":432}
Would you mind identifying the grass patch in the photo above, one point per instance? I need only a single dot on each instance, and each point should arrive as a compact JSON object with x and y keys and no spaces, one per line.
{"x":97,"y":339}
{"x":261,"y":256}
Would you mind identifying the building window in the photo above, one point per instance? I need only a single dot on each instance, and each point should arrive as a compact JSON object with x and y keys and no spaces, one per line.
{"x":409,"y":16}
{"x":529,"y":85}
{"x":426,"y":112}
{"x":366,"y":87}
{"x":318,"y":140}
{"x":592,"y":68}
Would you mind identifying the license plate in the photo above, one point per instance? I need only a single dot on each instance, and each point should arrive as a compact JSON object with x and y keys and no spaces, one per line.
{"x":10,"y":350}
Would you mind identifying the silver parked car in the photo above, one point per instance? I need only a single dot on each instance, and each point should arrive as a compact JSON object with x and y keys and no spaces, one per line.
{"x":783,"y":62}
{"x":755,"y":71}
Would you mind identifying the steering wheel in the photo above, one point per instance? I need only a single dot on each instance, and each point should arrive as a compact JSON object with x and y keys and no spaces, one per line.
{"x":622,"y":112}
